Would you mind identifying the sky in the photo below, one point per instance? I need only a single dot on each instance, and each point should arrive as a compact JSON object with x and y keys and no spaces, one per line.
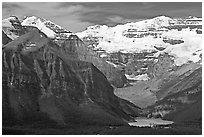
{"x":76,"y":16}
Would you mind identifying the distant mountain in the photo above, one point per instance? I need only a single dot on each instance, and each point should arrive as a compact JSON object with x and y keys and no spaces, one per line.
{"x":153,"y":35}
{"x":136,"y":47}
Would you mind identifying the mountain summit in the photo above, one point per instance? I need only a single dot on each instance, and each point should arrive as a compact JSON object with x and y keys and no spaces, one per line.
{"x":49,"y":28}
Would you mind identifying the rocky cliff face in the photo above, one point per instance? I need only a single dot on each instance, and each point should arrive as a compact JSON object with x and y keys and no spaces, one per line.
{"x":5,"y":38}
{"x":75,"y":47}
{"x":161,"y":66}
{"x":42,"y":83}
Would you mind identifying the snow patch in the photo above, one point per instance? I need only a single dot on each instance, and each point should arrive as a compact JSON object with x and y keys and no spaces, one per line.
{"x":111,"y":63}
{"x":103,"y":55}
{"x":7,"y":23}
{"x":142,"y":77}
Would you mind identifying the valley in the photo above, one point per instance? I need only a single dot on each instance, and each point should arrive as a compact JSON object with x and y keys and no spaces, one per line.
{"x":138,"y":93}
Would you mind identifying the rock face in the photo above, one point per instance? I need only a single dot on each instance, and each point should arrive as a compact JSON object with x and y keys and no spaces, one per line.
{"x":75,"y":47}
{"x":5,"y":38}
{"x":173,"y":42}
{"x":43,"y":83}
{"x":161,"y":67}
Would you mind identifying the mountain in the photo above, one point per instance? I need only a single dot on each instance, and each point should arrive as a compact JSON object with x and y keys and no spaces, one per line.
{"x":49,"y":28}
{"x":150,"y":49}
{"x":43,"y":86}
{"x":59,"y":35}
{"x":76,"y":48}
{"x":14,"y":28}
{"x":155,"y":36}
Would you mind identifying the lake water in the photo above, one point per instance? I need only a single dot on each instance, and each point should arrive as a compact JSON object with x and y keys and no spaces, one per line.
{"x":143,"y":122}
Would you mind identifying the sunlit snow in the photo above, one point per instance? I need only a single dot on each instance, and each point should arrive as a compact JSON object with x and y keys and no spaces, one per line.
{"x":142,"y":77}
{"x":37,"y":22}
{"x":112,"y":39}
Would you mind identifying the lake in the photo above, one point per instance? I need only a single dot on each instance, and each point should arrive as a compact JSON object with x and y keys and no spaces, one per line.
{"x":144,"y":122}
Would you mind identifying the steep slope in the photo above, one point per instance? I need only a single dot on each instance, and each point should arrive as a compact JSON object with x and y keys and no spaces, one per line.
{"x":180,"y":98}
{"x":41,"y":85}
{"x":75,"y":48}
{"x":5,"y":38}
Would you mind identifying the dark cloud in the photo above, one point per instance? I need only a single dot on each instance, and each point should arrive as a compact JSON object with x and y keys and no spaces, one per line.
{"x":76,"y":16}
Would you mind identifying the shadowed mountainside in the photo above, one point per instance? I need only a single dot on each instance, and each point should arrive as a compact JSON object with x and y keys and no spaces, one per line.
{"x":75,"y":48}
{"x":41,"y":83}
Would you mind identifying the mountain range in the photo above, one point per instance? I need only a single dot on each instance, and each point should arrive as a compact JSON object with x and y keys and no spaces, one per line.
{"x":103,"y":75}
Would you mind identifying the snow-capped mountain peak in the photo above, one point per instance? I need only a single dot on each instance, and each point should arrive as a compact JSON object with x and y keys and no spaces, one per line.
{"x":177,"y":37}
{"x":47,"y":27}
{"x":156,"y":22}
{"x":40,"y":24}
